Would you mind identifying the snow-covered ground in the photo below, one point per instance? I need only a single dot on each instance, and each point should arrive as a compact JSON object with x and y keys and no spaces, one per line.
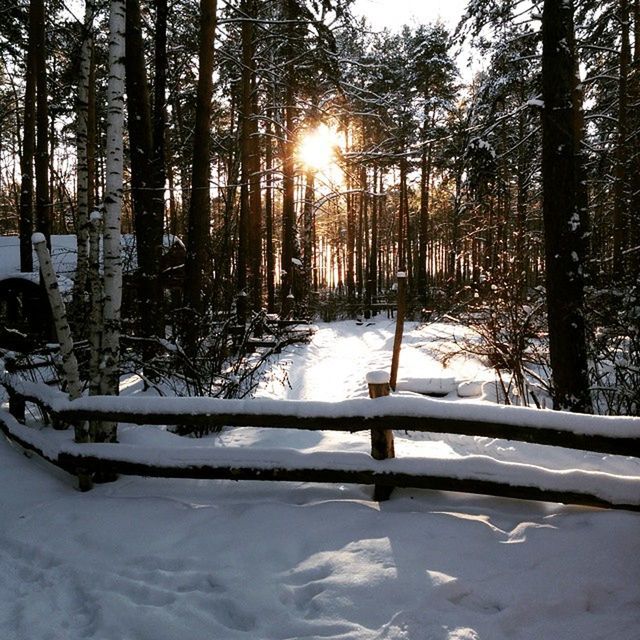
{"x":150,"y":559}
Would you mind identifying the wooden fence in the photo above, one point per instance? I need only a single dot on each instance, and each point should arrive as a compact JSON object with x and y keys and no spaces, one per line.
{"x":601,"y":435}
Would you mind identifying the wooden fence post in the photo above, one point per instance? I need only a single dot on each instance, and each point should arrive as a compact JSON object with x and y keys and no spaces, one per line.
{"x":381,"y":439}
{"x":397,"y":338}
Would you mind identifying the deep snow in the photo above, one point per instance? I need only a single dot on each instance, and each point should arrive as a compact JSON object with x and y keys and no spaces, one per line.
{"x":149,"y":559}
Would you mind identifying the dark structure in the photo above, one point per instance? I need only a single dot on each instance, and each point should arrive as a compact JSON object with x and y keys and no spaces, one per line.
{"x":25,"y":317}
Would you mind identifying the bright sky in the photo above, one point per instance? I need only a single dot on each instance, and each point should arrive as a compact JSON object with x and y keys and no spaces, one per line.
{"x":395,"y":13}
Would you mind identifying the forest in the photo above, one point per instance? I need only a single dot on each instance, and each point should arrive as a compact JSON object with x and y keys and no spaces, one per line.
{"x":282,"y":159}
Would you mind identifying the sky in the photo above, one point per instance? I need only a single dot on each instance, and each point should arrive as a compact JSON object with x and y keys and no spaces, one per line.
{"x":395,"y":13}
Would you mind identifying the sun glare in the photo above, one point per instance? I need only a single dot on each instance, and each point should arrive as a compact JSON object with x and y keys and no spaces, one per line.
{"x":317,"y":149}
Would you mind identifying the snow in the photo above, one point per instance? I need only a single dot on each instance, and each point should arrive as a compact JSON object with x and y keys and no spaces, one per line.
{"x":379,"y":376}
{"x":440,"y":385}
{"x":63,"y":254}
{"x":160,"y":559}
{"x":151,"y":407}
{"x":63,"y":258}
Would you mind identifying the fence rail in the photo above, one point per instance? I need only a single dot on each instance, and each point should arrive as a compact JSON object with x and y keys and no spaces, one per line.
{"x":585,"y":433}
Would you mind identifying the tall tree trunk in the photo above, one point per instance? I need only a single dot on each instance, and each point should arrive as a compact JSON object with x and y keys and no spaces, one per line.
{"x":63,"y":331}
{"x":198,"y":234}
{"x":148,"y":220}
{"x":268,"y":206}
{"x":28,"y":149}
{"x":362,"y":239}
{"x":634,"y":99}
{"x":96,"y":309}
{"x":351,"y":228}
{"x":84,"y":186}
{"x":109,"y":384}
{"x":255,"y":217}
{"x":372,"y":272}
{"x":401,"y":277}
{"x":253,"y":166}
{"x":158,"y":158}
{"x":565,"y":215}
{"x":636,"y":32}
{"x":43,"y":200}
{"x":288,"y":284}
{"x":425,"y":193}
{"x":159,"y":115}
{"x":621,"y":201}
{"x":288,"y":207}
{"x":307,"y":238}
{"x":522,"y":242}
{"x":248,"y":133}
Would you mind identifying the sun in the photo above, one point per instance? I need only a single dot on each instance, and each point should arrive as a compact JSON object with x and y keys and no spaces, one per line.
{"x":317,"y":149}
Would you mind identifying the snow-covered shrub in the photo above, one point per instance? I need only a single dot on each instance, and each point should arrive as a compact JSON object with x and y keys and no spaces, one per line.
{"x":227,"y":361}
{"x":510,"y":335}
{"x":615,"y":350}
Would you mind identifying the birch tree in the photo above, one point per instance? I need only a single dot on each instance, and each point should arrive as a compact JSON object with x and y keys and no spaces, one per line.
{"x":63,"y":331}
{"x":110,"y":357}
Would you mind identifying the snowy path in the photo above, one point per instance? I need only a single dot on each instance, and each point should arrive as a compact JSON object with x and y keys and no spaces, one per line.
{"x":334,"y":365}
{"x":148,"y":559}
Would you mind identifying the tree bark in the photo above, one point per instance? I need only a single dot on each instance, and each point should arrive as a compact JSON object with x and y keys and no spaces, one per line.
{"x":43,"y":200}
{"x":307,"y":238}
{"x":268,"y":206}
{"x":198,"y":233}
{"x":84,"y":183}
{"x":425,"y":192}
{"x":110,"y":378}
{"x":288,"y":208}
{"x":621,"y":200}
{"x":401,"y":278}
{"x":28,"y":150}
{"x":287,"y":279}
{"x":565,"y":215}
{"x":372,"y":272}
{"x":149,"y":218}
{"x":63,"y":331}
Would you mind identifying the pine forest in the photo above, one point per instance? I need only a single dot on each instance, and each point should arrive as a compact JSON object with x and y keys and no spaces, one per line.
{"x":230,"y":168}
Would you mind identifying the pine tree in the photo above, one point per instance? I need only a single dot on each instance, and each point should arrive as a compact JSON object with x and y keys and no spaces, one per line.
{"x":565,"y":214}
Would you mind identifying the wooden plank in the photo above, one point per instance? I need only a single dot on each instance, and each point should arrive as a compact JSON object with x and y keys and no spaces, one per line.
{"x":5,"y":428}
{"x":84,"y":465}
{"x":539,"y":435}
{"x":502,"y":430}
{"x":344,"y":476}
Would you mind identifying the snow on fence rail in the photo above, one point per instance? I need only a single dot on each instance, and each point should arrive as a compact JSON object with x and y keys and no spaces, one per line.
{"x":472,"y":474}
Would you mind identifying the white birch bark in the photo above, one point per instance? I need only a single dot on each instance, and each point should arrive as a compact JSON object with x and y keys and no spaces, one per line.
{"x":61,"y":323}
{"x":110,"y":359}
{"x":82,"y":159}
{"x":96,"y":296}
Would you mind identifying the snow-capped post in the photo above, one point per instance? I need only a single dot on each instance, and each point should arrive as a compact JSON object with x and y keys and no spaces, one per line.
{"x":381,"y":439}
{"x":61,"y":323}
{"x":397,"y":339}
